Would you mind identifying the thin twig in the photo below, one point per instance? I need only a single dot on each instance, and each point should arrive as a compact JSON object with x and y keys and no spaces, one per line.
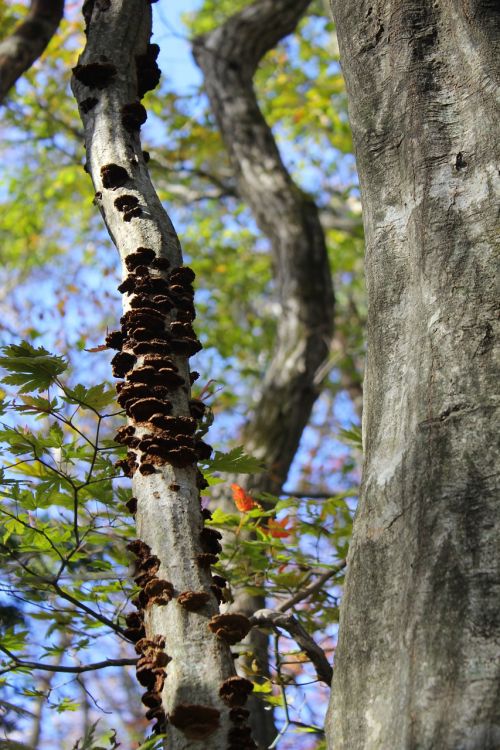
{"x":309,"y":590}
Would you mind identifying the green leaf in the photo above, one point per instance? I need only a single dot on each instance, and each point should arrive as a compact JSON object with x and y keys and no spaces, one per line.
{"x":30,"y":368}
{"x":153,"y":744}
{"x":97,"y":397}
{"x":234,"y":462}
{"x":352,"y":436}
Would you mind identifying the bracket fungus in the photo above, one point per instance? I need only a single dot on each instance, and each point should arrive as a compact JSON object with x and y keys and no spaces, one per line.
{"x":193,"y":600}
{"x":231,"y":627}
{"x":195,"y":721}
{"x":235,"y":691}
{"x":113,"y":176}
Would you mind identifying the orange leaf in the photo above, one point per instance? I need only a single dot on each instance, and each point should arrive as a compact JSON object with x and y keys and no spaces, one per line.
{"x":278,"y":529}
{"x":243,"y":501}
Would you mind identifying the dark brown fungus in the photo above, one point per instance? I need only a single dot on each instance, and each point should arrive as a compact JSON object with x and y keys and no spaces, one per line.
{"x":219,"y":581}
{"x":206,"y":559}
{"x":125,"y":203}
{"x":160,"y":589}
{"x":143,"y":255}
{"x":201,"y":482}
{"x":197,"y":408}
{"x":206,"y":514}
{"x":147,"y":468}
{"x":181,"y":457}
{"x":240,"y":738}
{"x":95,"y":75}
{"x":144,"y":374}
{"x":146,"y":156}
{"x":185,"y":347}
{"x":209,"y":539}
{"x":124,"y":433}
{"x":182,"y":330}
{"x":230,"y":628}
{"x":145,"y":408}
{"x":131,"y":505}
{"x":203,"y":450}
{"x":193,"y":376}
{"x":238,"y":715}
{"x":163,"y":303}
{"x":132,"y":213}
{"x":131,"y":392}
{"x":161,"y":264}
{"x":134,"y":620}
{"x":140,"y":600}
{"x":134,"y":634}
{"x":122,"y":363}
{"x":170,"y":378}
{"x":127,"y":285}
{"x":126,"y":466}
{"x":182,"y":275}
{"x":195,"y":721}
{"x":235,"y":690}
{"x":156,"y":346}
{"x":153,"y":360}
{"x":151,"y":700}
{"x":113,"y":176}
{"x":178,"y":425}
{"x":193,"y":600}
{"x":148,"y":72}
{"x":133,"y":116}
{"x":87,"y":104}
{"x":140,"y":549}
{"x":217,"y":592}
{"x":114,"y":340}
{"x":147,"y":676}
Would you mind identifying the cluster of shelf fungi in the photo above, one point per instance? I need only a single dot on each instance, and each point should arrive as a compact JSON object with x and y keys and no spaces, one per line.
{"x":156,"y":331}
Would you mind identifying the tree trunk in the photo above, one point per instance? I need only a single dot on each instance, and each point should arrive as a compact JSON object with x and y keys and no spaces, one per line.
{"x":228,"y":57}
{"x":25,"y":45}
{"x":417,"y":665}
{"x":194,"y":700}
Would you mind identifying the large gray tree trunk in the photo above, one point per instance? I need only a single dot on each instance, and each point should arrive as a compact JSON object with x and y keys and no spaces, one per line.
{"x":418,"y":660}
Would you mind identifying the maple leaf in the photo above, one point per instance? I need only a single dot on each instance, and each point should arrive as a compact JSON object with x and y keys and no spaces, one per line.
{"x":278,"y":529}
{"x":243,"y":501}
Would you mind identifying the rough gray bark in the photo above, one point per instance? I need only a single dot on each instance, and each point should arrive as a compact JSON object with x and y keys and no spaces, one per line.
{"x":228,"y":57}
{"x":25,"y":45}
{"x":418,"y":659}
{"x":174,"y":552}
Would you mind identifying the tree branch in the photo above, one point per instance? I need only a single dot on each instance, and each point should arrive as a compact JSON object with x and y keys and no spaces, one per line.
{"x":312,"y":588}
{"x":30,"y":38}
{"x":268,"y":618}
{"x":58,"y":668}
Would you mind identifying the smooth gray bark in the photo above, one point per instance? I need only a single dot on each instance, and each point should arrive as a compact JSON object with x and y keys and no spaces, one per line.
{"x":116,"y":65}
{"x":25,"y":45}
{"x":228,"y":57}
{"x":418,"y":660}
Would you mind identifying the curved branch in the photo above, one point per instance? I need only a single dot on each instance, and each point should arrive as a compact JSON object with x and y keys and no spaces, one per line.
{"x":312,"y":588}
{"x":228,"y":58}
{"x":30,"y":38}
{"x":268,"y":618}
{"x":58,"y":668}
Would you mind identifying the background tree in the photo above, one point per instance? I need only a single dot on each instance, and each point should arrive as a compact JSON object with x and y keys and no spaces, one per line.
{"x":417,"y":662}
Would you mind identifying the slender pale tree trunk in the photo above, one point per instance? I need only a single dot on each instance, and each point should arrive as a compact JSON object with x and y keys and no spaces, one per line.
{"x":418,"y":660}
{"x":185,"y":662}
